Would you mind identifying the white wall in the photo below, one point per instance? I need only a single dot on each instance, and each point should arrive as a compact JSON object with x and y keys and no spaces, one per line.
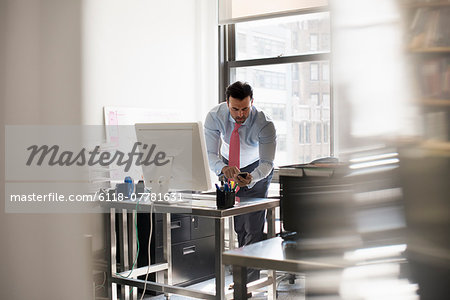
{"x":152,"y":54}
{"x":149,"y":54}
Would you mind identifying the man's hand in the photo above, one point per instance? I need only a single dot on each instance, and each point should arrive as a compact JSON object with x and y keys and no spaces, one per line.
{"x":241,"y":181}
{"x":230,"y":172}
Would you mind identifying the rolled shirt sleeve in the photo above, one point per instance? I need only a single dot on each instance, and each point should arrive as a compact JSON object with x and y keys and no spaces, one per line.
{"x":212,"y":138}
{"x":267,"y":147}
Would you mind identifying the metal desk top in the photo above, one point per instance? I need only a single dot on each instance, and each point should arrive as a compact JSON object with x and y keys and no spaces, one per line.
{"x":204,"y":208}
{"x":275,"y":254}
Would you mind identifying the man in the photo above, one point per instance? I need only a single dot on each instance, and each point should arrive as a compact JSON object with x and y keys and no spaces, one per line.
{"x":248,"y":146}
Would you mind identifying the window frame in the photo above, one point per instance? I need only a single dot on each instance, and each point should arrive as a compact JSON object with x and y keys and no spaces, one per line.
{"x":316,"y":103}
{"x":311,"y":35}
{"x":317,"y":77}
{"x":227,"y":62}
{"x":319,"y":137}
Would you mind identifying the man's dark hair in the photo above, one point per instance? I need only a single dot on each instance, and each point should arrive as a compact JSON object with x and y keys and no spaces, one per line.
{"x":239,"y":90}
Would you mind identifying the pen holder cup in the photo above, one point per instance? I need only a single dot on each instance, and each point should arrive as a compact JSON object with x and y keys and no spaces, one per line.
{"x":225,"y":199}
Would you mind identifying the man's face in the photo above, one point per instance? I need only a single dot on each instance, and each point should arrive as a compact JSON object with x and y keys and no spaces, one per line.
{"x":240,"y":109}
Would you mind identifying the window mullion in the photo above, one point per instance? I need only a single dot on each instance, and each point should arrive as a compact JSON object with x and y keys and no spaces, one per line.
{"x":279,"y":60}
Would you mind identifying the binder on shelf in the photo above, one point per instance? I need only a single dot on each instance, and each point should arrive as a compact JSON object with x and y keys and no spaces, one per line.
{"x":429,"y":28}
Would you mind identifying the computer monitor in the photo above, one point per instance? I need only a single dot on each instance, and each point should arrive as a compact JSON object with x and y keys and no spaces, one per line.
{"x":179,"y":152}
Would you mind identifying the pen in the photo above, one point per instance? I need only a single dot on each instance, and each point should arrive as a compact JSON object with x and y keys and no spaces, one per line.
{"x":217,"y":187}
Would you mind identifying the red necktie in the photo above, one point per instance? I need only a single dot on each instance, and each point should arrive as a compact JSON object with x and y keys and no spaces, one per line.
{"x":235,"y":148}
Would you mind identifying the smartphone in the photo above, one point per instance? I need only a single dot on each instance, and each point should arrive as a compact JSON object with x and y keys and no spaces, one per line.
{"x":243,"y":175}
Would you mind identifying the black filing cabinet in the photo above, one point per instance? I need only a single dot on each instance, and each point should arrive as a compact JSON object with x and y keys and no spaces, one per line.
{"x":192,"y":246}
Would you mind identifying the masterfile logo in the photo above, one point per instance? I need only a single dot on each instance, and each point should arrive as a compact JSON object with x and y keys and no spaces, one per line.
{"x":68,"y":169}
{"x":79,"y":153}
{"x":53,"y":156}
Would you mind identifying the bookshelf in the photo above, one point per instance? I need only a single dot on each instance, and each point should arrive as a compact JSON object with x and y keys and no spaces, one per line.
{"x":427,"y":27}
{"x":425,"y":3}
{"x":425,"y":161}
{"x":435,"y":102}
{"x":443,"y":50}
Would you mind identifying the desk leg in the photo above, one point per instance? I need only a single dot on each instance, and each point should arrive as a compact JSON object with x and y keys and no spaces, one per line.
{"x":167,"y":248}
{"x":230,"y":233}
{"x":112,"y":253}
{"x":124,"y":258}
{"x":271,"y":222}
{"x":271,"y":289}
{"x":240,"y":282}
{"x":219,"y":248}
{"x":133,"y":216}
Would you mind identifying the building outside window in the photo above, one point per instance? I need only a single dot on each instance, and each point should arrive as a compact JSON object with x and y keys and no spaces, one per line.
{"x":314,"y":71}
{"x":283,"y":61}
{"x":313,"y":42}
{"x":281,"y":142}
{"x":301,"y":133}
{"x":326,"y":128}
{"x":324,"y":41}
{"x":315,"y":99}
{"x":326,"y":100}
{"x":295,"y":74}
{"x":308,"y":133}
{"x":319,"y":133}
{"x":325,"y":72}
{"x":242,"y":42}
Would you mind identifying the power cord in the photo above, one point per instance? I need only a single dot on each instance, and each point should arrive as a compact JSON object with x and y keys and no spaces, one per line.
{"x":101,"y":286}
{"x":137,"y":240}
{"x":148,"y":249}
{"x":138,"y":246}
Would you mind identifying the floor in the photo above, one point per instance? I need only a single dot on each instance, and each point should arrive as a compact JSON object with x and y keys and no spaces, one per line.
{"x":286,"y":291}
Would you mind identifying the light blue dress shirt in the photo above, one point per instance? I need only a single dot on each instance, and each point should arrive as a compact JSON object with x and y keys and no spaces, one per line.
{"x":257,"y":137}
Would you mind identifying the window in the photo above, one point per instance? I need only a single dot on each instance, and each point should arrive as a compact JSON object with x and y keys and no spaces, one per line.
{"x":326,"y":128}
{"x":313,"y":42}
{"x":266,"y":47}
{"x":326,"y":99}
{"x":307,"y":158}
{"x":275,"y":111}
{"x":325,"y":41}
{"x":281,"y":142}
{"x":242,"y":43}
{"x":295,"y":72}
{"x":315,"y":99}
{"x":325,"y":72}
{"x":295,"y":91}
{"x":314,"y":72}
{"x":318,"y":133}
{"x":294,"y":37}
{"x":301,"y":133}
{"x":270,"y":79}
{"x":290,"y":87}
{"x":308,"y":133}
{"x":289,"y":36}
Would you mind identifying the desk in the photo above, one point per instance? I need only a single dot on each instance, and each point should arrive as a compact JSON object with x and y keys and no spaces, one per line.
{"x":271,"y":254}
{"x":201,"y":208}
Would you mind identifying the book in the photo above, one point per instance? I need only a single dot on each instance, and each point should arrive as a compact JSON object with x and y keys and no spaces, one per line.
{"x":430,"y":28}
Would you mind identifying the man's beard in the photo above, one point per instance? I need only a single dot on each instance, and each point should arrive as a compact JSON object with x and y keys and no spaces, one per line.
{"x":240,"y":121}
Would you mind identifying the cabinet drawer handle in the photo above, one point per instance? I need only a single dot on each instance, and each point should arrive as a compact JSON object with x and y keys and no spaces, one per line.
{"x":175,"y":224}
{"x":188,"y":250}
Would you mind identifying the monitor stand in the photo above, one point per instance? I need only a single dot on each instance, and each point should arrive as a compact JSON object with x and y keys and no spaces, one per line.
{"x":161,"y":184}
